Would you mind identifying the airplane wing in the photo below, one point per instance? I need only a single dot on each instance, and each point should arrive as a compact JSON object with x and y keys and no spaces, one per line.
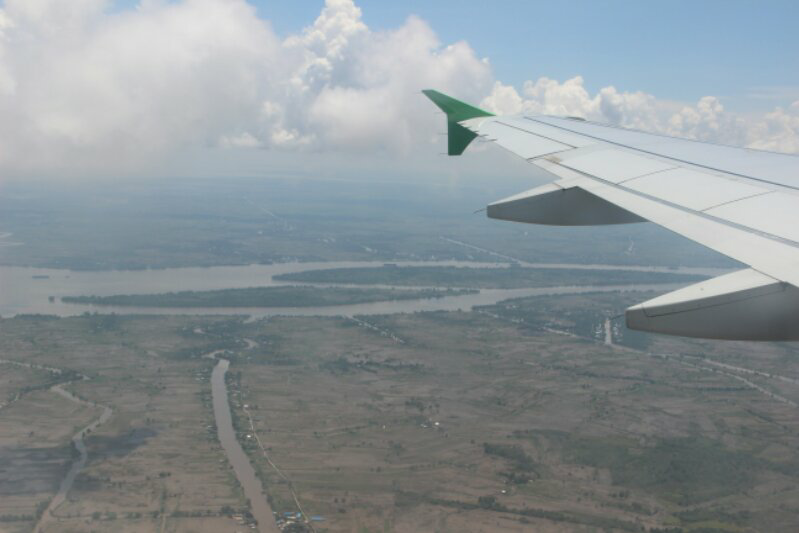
{"x":740,"y":202}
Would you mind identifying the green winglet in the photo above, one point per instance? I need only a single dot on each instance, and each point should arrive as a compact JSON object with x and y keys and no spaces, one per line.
{"x":458,"y":136}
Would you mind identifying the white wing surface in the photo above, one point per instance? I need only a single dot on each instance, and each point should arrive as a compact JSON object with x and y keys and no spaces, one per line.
{"x":742,"y":203}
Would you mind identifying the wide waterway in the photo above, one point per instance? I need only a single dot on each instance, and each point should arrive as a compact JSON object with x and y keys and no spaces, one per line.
{"x":39,"y":291}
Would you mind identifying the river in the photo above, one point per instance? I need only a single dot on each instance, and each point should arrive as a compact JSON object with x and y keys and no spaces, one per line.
{"x":79,"y":463}
{"x":245,"y":473}
{"x":77,"y":440}
{"x":26,"y":290}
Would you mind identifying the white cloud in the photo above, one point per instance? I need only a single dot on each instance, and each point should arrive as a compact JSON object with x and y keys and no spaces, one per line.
{"x":380,"y":94}
{"x":707,"y":120}
{"x":778,"y":130}
{"x":87,"y":89}
{"x":93,"y":90}
{"x":83,"y":88}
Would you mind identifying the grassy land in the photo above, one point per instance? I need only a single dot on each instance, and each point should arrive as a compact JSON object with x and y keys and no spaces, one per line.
{"x":476,"y":422}
{"x":493,"y":278}
{"x":155,"y":466}
{"x":294,"y":296}
{"x":434,"y":421}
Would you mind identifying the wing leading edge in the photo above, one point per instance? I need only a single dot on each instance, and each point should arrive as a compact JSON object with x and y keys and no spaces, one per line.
{"x":742,"y":203}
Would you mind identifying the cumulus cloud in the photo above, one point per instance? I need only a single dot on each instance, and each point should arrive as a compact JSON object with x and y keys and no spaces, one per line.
{"x":88,"y":89}
{"x":707,"y":120}
{"x":85,"y":88}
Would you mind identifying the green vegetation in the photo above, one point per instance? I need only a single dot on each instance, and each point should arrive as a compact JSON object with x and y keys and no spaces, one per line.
{"x":264,"y":297}
{"x":580,"y":314}
{"x":523,"y":468}
{"x":513,"y":453}
{"x":343,"y":365}
{"x":494,"y":278}
{"x":686,"y":470}
{"x":490,"y":503}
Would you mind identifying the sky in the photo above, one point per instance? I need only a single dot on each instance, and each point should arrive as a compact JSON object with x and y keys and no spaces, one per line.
{"x":225,"y":87}
{"x":742,"y":51}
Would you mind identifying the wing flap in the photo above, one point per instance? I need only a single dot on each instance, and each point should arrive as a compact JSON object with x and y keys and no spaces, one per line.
{"x":743,"y":305}
{"x":560,"y":206}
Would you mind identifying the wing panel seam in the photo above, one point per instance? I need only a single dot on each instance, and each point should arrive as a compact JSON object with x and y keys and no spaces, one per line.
{"x":683,"y":161}
{"x":708,"y":216}
{"x":737,"y":200}
{"x":535,"y":134}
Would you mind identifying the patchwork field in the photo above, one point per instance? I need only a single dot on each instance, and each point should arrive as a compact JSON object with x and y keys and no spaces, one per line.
{"x":467,"y":423}
{"x":534,"y":414}
{"x":154,"y":461}
{"x":500,"y":418}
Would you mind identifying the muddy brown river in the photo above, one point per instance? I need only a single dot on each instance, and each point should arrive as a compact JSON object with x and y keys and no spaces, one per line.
{"x":39,"y":291}
{"x":245,"y":473}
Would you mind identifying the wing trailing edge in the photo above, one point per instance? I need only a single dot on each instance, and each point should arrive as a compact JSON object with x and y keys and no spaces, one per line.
{"x":743,"y":305}
{"x":554,"y":205}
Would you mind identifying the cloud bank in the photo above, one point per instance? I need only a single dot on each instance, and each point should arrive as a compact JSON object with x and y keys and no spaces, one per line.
{"x":706,"y":120}
{"x":84,"y":88}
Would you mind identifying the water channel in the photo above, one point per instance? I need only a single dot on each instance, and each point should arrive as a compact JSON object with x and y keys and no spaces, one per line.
{"x":77,"y":440}
{"x":77,"y":464}
{"x":245,"y":473}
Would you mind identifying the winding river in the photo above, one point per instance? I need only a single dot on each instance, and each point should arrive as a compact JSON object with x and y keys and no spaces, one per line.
{"x":77,"y":464}
{"x":39,"y":291}
{"x":77,"y":439}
